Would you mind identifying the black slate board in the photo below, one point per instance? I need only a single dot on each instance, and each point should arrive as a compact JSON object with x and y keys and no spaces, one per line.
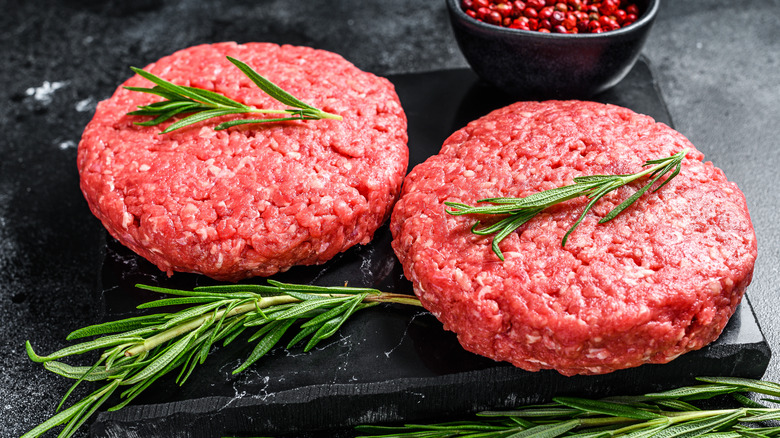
{"x":390,"y":363}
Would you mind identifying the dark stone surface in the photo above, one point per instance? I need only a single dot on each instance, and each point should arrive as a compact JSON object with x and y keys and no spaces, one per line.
{"x":715,"y":61}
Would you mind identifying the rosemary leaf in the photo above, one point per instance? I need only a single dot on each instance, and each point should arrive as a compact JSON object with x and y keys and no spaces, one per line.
{"x":543,"y":412}
{"x":769,"y":431}
{"x":747,"y":402}
{"x":699,"y":427}
{"x":114,"y":326}
{"x":694,"y":392}
{"x":646,"y":432}
{"x":678,"y":405}
{"x":547,"y":430}
{"x":761,"y":387}
{"x":606,"y":408}
{"x":302,"y":335}
{"x":80,"y":348}
{"x":757,"y":417}
{"x":200,"y":291}
{"x":176,"y":302}
{"x":265,"y":345}
{"x":269,"y":87}
{"x":90,"y":374}
{"x":307,"y":306}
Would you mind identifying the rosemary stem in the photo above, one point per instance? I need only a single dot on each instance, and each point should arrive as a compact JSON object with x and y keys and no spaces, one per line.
{"x":179,"y":330}
{"x":635,"y":176}
{"x":679,"y":417}
{"x":321,"y":114}
{"x":642,"y":425}
{"x":387,"y":297}
{"x":325,"y":115}
{"x":383,"y":297}
{"x":605,"y":421}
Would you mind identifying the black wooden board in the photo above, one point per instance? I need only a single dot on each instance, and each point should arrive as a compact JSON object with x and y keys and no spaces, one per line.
{"x":390,"y":363}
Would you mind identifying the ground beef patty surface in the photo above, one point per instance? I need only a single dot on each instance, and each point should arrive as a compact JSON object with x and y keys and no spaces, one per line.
{"x":250,"y":200}
{"x":659,"y":280}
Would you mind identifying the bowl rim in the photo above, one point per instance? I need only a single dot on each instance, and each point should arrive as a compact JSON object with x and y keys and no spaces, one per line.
{"x":643,"y":21}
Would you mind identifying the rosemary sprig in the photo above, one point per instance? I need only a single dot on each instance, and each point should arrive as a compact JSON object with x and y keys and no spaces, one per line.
{"x":659,"y":415}
{"x":522,"y":210}
{"x":139,"y":350}
{"x":203,"y":104}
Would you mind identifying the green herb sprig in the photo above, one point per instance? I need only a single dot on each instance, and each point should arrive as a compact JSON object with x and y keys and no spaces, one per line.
{"x":203,"y":104}
{"x":139,"y":350}
{"x":522,"y":210}
{"x":668,"y":414}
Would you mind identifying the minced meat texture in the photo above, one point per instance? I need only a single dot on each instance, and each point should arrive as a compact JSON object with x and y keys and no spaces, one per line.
{"x":660,"y":279}
{"x":256,"y":199}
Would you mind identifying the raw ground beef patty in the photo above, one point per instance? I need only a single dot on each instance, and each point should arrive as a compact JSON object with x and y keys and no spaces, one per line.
{"x":256,"y":199}
{"x":660,"y":279}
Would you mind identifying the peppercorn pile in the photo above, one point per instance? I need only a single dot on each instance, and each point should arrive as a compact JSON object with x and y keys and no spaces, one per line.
{"x":554,"y":16}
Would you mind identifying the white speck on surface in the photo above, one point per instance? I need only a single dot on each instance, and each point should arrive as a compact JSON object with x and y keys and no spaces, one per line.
{"x":44,"y":93}
{"x":699,"y":45}
{"x":67,"y":144}
{"x":371,"y":416}
{"x":85,"y":105}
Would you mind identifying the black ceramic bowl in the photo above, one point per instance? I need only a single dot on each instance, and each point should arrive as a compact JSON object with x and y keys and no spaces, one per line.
{"x":530,"y":64}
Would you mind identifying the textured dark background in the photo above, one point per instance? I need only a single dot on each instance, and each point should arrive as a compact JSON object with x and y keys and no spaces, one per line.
{"x":717,"y":64}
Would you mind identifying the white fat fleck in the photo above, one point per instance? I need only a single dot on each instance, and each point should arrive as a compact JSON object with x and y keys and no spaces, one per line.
{"x":243,"y":162}
{"x":598,"y":353}
{"x":144,"y":167}
{"x":715,"y":287}
{"x":44,"y":93}
{"x":85,"y":105}
{"x":637,"y":272}
{"x":127,"y":219}
{"x":714,"y":253}
{"x":484,"y":291}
